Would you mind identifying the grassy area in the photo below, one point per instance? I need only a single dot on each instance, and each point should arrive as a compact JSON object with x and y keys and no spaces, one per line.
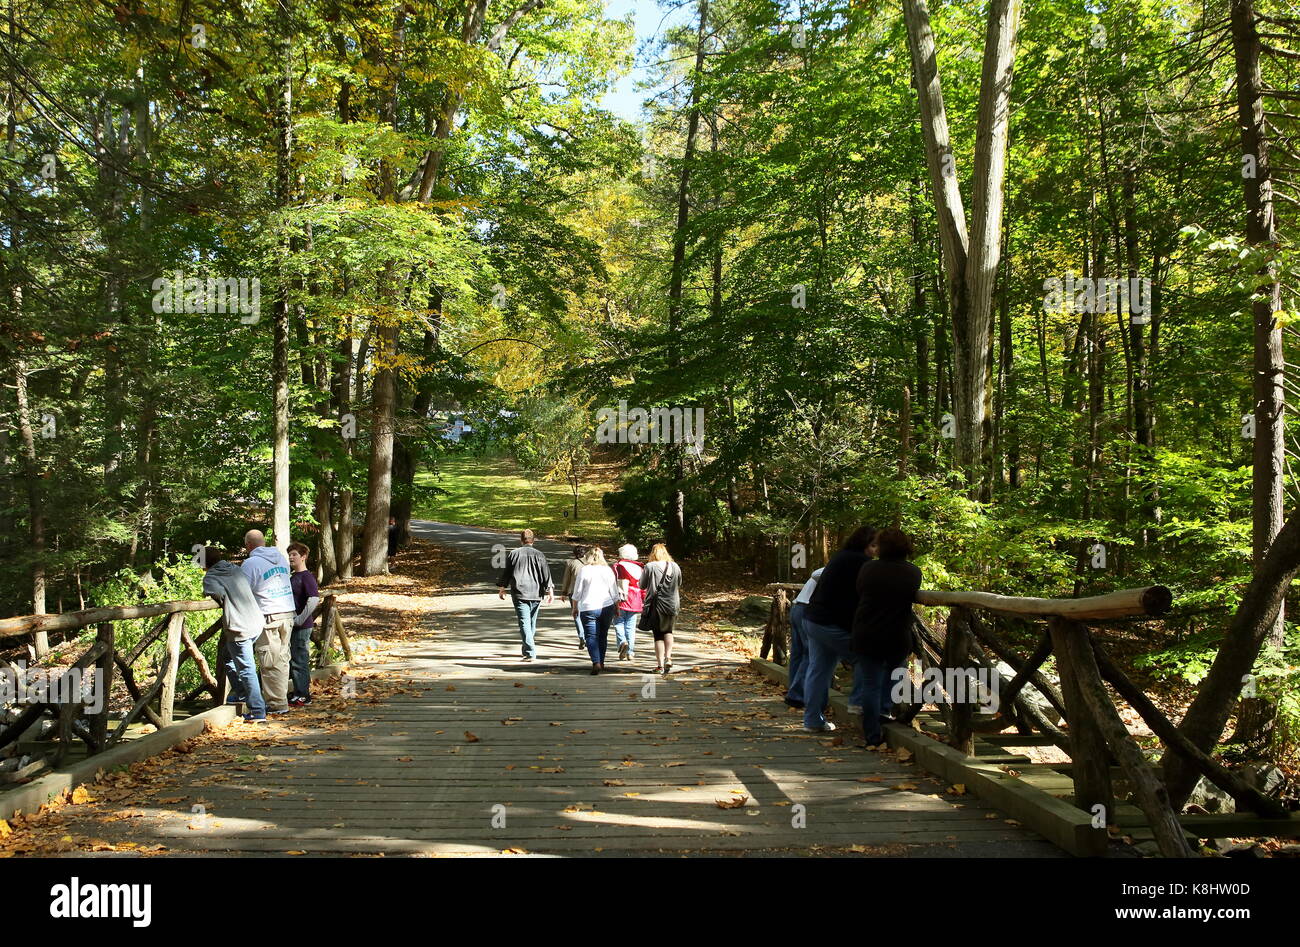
{"x":493,"y":492}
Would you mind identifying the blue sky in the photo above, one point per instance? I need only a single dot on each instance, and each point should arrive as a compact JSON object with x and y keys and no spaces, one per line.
{"x":650,"y":19}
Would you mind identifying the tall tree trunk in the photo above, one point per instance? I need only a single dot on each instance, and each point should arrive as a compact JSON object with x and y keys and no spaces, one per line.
{"x":971,"y":262}
{"x":35,"y":505}
{"x":677,"y":501}
{"x":280,"y":351}
{"x":1255,"y":723}
{"x":374,"y":541}
{"x":344,"y":535}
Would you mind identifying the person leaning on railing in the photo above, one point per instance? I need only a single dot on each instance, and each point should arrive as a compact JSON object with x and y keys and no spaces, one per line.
{"x":306,"y":596}
{"x":798,"y":668}
{"x":267,"y":569}
{"x":882,"y":626}
{"x":828,"y":624}
{"x":241,"y":621}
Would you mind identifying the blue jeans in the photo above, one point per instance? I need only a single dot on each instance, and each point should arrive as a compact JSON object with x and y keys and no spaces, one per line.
{"x":828,"y":645}
{"x":241,"y":670}
{"x":798,"y":653}
{"x":595,"y":628}
{"x":878,"y":695}
{"x":300,"y":662}
{"x":625,"y":629}
{"x":526,"y":612}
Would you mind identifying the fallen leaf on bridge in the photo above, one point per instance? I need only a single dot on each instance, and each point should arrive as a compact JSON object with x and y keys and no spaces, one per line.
{"x":730,"y":803}
{"x":470,"y":738}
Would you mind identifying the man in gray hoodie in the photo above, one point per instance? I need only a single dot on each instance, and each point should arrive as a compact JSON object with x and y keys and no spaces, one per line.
{"x":242,"y":621}
{"x":268,"y":572}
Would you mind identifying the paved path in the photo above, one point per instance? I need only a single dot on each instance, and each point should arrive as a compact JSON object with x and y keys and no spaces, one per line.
{"x":458,"y":747}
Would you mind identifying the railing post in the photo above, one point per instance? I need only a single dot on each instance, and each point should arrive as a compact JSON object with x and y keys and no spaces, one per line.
{"x":1088,"y":751}
{"x":326,"y":624}
{"x":956,"y":655}
{"x":104,"y":666}
{"x":780,"y":621}
{"x":167,"y":696}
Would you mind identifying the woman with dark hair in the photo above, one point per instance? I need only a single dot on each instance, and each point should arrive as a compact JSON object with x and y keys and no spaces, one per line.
{"x":882,"y":626}
{"x":828,"y":623}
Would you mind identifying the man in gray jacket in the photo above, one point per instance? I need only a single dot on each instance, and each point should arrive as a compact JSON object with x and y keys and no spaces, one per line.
{"x":268,"y":572}
{"x":528,"y":577}
{"x":242,"y":625}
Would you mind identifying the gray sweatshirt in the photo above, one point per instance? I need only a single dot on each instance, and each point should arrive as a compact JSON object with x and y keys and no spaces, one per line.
{"x":227,"y":583}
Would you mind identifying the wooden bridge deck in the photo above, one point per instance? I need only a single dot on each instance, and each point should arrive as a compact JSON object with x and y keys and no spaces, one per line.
{"x":564,"y":763}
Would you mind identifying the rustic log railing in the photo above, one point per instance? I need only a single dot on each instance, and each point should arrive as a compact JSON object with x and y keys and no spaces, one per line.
{"x":1093,"y":733}
{"x":155,"y":701}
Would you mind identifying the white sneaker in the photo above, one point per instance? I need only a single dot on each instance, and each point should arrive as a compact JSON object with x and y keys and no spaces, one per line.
{"x":827,"y":727}
{"x":855,"y":709}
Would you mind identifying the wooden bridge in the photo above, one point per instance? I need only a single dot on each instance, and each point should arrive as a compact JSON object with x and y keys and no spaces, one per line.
{"x":1107,"y":785}
{"x":457,"y":747}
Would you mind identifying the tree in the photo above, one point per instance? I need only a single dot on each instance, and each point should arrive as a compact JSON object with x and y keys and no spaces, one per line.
{"x":970,"y":262}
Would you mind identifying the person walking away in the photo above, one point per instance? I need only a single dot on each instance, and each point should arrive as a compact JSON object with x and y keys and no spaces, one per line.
{"x":527,"y":576}
{"x":798,"y":665}
{"x":306,"y":596}
{"x":393,"y":532}
{"x":882,"y":627}
{"x":828,"y":624}
{"x":661,"y":583}
{"x":241,"y":624}
{"x":594,"y":598}
{"x":267,"y":570}
{"x":628,"y":573}
{"x":571,"y":568}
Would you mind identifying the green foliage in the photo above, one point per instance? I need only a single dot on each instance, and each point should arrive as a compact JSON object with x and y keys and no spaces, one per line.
{"x":177,"y":579}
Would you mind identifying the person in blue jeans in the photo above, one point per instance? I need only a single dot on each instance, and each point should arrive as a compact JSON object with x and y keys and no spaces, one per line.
{"x":627,"y":573}
{"x":828,"y":621}
{"x":882,"y":626}
{"x":241,"y":619}
{"x":594,"y":599}
{"x":527,"y":576}
{"x":798,"y":665}
{"x":306,"y":596}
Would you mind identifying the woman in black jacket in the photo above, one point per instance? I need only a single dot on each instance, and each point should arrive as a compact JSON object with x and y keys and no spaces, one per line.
{"x":828,"y":623}
{"x":882,"y":626}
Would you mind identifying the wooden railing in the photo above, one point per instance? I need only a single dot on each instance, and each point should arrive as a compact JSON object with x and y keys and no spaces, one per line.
{"x":1093,"y":733}
{"x":155,"y":701}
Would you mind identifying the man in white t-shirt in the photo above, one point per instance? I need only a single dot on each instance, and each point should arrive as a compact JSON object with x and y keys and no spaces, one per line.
{"x":269,"y":573}
{"x":799,"y":643}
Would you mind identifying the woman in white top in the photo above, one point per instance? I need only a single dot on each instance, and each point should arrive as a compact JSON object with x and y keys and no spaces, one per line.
{"x":594,"y":597}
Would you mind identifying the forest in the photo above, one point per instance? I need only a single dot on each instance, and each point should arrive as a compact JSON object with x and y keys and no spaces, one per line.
{"x":1016,"y":277}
